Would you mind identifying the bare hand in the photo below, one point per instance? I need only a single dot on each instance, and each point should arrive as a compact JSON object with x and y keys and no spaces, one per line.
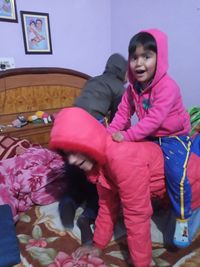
{"x":86,"y":250}
{"x":118,"y":137}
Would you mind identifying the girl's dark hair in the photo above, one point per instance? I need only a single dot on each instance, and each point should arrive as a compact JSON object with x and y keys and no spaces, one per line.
{"x":144,"y":39}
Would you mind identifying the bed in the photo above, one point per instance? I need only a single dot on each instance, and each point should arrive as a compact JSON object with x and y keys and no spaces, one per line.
{"x":42,"y":238}
{"x":24,"y":91}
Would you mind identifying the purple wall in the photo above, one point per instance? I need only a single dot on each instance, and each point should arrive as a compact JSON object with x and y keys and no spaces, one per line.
{"x":85,"y":32}
{"x":180,"y":19}
{"x":80,"y":33}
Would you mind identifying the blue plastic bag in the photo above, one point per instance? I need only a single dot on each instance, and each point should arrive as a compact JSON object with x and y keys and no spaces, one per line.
{"x":9,"y":246}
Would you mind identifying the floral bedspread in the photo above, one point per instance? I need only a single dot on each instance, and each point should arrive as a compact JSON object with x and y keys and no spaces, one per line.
{"x":44,"y":242}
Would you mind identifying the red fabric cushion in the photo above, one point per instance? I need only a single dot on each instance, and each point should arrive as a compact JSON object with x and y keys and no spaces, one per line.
{"x":11,"y":146}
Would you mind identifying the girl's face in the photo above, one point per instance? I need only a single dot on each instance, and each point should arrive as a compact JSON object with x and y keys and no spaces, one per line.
{"x":143,"y":65}
{"x":81,"y":161}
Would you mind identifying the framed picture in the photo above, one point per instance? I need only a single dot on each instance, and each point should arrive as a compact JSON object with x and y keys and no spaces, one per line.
{"x":8,"y":10}
{"x":36,"y":32}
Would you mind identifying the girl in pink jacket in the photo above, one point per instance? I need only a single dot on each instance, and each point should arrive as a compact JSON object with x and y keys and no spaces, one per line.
{"x":155,"y":98}
{"x":128,"y":172}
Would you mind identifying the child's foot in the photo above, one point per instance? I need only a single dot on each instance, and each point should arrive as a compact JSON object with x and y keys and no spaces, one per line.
{"x":181,"y":238}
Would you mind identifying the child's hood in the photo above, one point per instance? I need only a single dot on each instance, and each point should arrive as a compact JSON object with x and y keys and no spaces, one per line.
{"x":162,"y":56}
{"x":75,"y":130}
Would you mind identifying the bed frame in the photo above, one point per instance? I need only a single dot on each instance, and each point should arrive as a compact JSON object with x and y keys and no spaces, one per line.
{"x":23,"y":91}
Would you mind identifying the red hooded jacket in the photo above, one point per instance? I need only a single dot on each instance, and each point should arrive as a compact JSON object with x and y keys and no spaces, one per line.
{"x":127,"y":172}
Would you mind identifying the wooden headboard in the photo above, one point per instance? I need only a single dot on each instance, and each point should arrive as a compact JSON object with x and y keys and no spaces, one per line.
{"x":24,"y":91}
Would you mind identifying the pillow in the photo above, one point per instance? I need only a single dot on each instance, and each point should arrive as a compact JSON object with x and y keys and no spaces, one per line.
{"x":11,"y":146}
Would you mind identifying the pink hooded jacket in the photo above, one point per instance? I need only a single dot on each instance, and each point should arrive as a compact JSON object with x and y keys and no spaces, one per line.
{"x":127,"y":172}
{"x":166,"y":115}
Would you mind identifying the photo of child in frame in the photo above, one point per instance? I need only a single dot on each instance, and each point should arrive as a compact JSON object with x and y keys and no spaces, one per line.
{"x":36,"y":34}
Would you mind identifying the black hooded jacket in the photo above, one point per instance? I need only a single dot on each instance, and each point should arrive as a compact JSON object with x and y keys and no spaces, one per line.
{"x":101,"y":94}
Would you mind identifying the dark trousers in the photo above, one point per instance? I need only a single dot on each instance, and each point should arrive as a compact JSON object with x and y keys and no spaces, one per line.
{"x":80,"y":190}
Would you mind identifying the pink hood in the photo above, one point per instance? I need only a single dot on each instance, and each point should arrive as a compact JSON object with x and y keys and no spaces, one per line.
{"x":162,"y":56}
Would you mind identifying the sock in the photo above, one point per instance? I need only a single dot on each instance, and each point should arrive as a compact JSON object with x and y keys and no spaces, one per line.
{"x":181,"y":237}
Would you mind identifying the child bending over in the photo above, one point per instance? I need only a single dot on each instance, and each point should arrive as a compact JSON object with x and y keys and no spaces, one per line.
{"x":122,"y":172}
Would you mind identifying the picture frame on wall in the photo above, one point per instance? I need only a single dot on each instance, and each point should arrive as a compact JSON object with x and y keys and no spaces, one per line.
{"x":8,"y":11}
{"x":36,"y":32}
